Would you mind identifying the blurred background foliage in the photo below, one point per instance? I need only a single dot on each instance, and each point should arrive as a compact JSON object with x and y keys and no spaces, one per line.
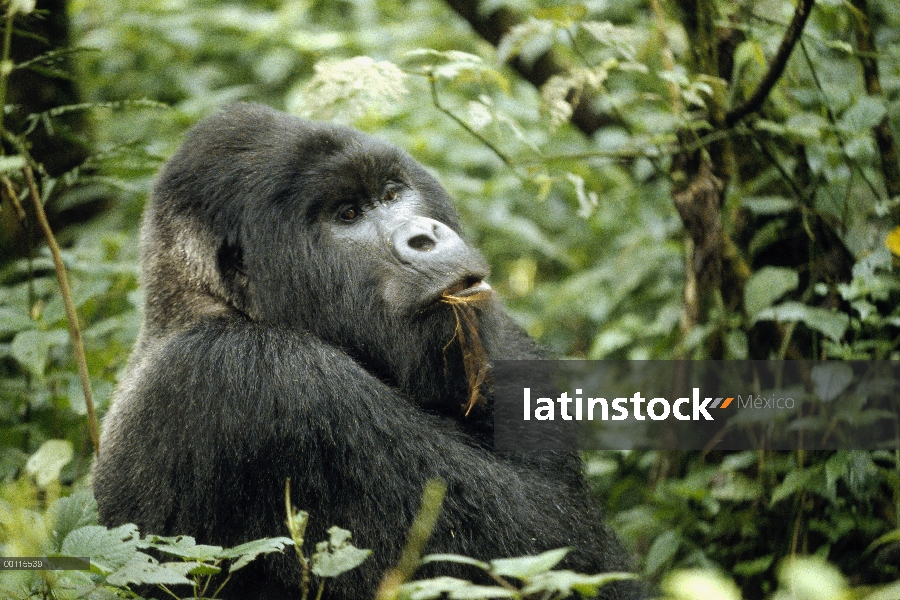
{"x":581,"y":140}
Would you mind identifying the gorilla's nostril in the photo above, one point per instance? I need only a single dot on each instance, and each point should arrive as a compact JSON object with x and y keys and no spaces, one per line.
{"x":421,"y":242}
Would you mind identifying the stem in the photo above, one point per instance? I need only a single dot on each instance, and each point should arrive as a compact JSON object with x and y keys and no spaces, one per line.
{"x":7,"y":44}
{"x":437,"y":103}
{"x":759,"y":95}
{"x":71,"y":315}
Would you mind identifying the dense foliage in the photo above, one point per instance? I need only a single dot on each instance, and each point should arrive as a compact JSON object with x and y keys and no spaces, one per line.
{"x":610,"y":158}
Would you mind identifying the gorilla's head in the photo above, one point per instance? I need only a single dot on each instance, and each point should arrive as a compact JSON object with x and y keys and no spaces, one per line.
{"x":287,"y":222}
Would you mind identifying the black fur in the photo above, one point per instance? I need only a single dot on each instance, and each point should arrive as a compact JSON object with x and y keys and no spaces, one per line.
{"x":284,"y":338}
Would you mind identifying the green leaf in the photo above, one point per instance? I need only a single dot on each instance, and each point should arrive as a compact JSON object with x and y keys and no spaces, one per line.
{"x":865,"y":114}
{"x":566,"y":582}
{"x":769,"y":205}
{"x":831,"y":324}
{"x":46,"y":464}
{"x":10,"y":164}
{"x":830,"y":379}
{"x":756,"y":566}
{"x":13,"y":320}
{"x":766,"y":286}
{"x":184,"y":546}
{"x":30,"y":349}
{"x":810,"y":578}
{"x":109,"y":549}
{"x":694,"y":584}
{"x":77,"y":510}
{"x":661,"y":552}
{"x":143,"y":568}
{"x":528,"y":566}
{"x":797,"y":480}
{"x":337,"y":555}
{"x":457,"y":589}
{"x":455,"y":558}
{"x":250,"y":550}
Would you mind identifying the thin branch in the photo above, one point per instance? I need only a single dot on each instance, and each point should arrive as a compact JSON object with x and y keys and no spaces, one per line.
{"x":437,"y":104}
{"x":759,"y":95}
{"x":884,"y":137}
{"x":71,"y":315}
{"x":833,"y":120}
{"x":13,"y":196}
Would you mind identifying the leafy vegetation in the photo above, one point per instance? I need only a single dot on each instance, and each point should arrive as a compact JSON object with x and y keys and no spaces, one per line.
{"x":700,"y":178}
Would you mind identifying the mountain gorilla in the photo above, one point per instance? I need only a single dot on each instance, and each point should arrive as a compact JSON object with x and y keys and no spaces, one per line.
{"x":298,"y":326}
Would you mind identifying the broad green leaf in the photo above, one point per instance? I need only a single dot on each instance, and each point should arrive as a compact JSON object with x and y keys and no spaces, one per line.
{"x":755,"y":566}
{"x":766,"y":286}
{"x":769,"y":205}
{"x":250,"y":550}
{"x":337,"y":555}
{"x":695,"y":584}
{"x":30,"y":349}
{"x":46,"y":464}
{"x":109,"y":549}
{"x":72,"y":512}
{"x":565,"y":582}
{"x":661,"y":552}
{"x":457,"y":589}
{"x":184,"y":546}
{"x":143,"y":568}
{"x":830,"y":379}
{"x":831,"y":324}
{"x":809,"y":578}
{"x":865,"y":114}
{"x":524,"y":567}
{"x":13,"y":320}
{"x":10,"y":164}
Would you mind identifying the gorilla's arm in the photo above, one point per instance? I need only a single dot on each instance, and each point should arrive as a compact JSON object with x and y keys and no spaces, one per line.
{"x":251,"y":405}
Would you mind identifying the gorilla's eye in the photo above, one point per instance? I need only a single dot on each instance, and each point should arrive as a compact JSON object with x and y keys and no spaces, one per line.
{"x":390,"y":193}
{"x":348,"y":214}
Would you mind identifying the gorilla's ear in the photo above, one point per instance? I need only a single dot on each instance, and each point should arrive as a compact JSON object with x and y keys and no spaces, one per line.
{"x":230,"y":262}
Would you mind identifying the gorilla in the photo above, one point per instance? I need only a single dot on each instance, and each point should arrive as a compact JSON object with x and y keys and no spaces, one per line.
{"x":297,"y":326}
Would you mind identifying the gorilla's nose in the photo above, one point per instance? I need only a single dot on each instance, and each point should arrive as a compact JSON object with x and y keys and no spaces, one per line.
{"x":423,"y":239}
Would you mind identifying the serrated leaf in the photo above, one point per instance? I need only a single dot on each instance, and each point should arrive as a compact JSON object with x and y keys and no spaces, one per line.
{"x":766,"y":286}
{"x":184,"y":546}
{"x":109,"y":549}
{"x":250,"y":550}
{"x":46,"y":464}
{"x":523,"y":567}
{"x":77,"y":510}
{"x":144,"y":569}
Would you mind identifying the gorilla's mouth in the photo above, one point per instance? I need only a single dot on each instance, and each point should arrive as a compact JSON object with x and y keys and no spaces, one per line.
{"x":469,"y":286}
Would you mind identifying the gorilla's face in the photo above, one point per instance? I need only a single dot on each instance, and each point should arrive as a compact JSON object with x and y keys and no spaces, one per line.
{"x":421,"y":259}
{"x":311,"y":226}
